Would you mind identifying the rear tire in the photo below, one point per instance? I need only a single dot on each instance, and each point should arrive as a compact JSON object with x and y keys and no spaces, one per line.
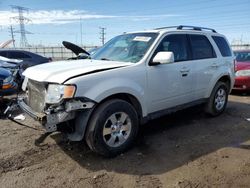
{"x":112,"y":128}
{"x":218,"y":99}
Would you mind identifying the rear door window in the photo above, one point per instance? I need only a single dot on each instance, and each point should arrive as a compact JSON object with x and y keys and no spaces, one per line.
{"x":201,"y":47}
{"x":223,"y":46}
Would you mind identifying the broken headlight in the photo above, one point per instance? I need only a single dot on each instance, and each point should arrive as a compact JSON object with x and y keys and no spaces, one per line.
{"x":7,"y":82}
{"x":56,"y":92}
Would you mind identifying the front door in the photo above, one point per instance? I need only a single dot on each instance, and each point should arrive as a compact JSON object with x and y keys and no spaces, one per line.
{"x":172,"y":84}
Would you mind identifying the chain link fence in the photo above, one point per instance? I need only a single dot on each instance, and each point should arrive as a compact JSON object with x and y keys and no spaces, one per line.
{"x":56,"y":53}
{"x":60,"y":53}
{"x":240,"y":46}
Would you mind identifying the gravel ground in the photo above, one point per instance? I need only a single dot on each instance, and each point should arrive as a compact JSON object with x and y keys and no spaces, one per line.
{"x":185,"y":149}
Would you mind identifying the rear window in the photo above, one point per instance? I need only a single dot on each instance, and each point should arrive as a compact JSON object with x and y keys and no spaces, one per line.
{"x":243,"y":56}
{"x":201,"y":47}
{"x":18,"y":55}
{"x":223,"y":46}
{"x":3,"y":54}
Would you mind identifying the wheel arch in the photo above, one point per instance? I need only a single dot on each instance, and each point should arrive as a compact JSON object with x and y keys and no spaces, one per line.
{"x":223,"y":78}
{"x":226,"y":79}
{"x":83,"y":118}
{"x":131,"y":99}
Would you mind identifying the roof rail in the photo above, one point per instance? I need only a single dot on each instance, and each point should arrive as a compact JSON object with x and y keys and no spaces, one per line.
{"x":180,"y":27}
{"x":196,"y":28}
{"x":169,"y":27}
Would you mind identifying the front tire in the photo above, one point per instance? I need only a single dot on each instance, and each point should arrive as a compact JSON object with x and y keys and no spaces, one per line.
{"x":112,"y":128}
{"x":218,"y":99}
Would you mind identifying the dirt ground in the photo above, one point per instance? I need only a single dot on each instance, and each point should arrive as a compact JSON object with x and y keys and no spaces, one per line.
{"x":185,"y":149}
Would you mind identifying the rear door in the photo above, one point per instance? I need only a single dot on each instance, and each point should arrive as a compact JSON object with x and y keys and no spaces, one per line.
{"x":205,"y":63}
{"x":170,"y":85}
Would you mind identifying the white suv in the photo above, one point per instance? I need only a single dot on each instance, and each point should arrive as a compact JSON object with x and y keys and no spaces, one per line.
{"x":133,"y":78}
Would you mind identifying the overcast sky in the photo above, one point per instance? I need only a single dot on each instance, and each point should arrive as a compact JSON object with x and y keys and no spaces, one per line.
{"x":52,"y":21}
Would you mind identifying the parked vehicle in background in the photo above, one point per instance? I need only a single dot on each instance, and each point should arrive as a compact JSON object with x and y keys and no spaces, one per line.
{"x":133,"y":78}
{"x":15,"y":67}
{"x":7,"y":83}
{"x":29,"y":59}
{"x":77,"y":50}
{"x":242,"y":75}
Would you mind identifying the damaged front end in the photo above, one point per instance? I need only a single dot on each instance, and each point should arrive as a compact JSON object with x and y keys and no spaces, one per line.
{"x":54,"y":104}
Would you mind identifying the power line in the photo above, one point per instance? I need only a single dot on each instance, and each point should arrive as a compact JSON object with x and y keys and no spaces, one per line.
{"x":21,"y":20}
{"x":103,"y":34}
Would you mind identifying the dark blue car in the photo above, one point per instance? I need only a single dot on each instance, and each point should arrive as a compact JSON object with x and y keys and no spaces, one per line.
{"x":29,"y":58}
{"x":7,"y":83}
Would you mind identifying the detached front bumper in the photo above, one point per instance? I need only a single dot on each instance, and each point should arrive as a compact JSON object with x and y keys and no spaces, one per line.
{"x":48,"y":120}
{"x":35,"y":115}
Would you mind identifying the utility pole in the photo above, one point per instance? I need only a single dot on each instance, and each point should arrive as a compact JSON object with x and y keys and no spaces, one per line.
{"x":12,"y":36}
{"x":102,"y":33}
{"x":21,"y":20}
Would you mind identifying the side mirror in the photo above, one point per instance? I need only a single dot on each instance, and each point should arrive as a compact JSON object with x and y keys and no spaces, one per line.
{"x":163,"y":58}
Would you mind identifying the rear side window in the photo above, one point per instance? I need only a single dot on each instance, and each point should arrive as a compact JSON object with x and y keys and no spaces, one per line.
{"x":223,"y":46}
{"x":201,"y":47}
{"x":18,"y":55}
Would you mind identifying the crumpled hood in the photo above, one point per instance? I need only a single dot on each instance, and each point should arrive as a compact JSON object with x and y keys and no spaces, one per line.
{"x":74,"y":48}
{"x":9,"y":63}
{"x":4,"y":64}
{"x":14,"y":61}
{"x":58,"y":72}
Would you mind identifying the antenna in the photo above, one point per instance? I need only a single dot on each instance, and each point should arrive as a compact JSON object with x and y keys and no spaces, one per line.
{"x":22,"y":21}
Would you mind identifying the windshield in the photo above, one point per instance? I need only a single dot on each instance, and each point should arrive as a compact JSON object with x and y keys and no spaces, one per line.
{"x":242,"y":56}
{"x":126,"y":48}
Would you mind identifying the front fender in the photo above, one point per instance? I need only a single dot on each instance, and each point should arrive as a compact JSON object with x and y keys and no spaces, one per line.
{"x":110,"y":87}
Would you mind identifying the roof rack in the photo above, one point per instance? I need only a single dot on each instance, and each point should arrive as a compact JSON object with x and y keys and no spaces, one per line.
{"x":195,"y":28}
{"x":169,"y":27}
{"x":180,"y":27}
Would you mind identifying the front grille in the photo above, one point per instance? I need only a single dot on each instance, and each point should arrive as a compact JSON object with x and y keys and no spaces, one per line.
{"x":36,"y":95}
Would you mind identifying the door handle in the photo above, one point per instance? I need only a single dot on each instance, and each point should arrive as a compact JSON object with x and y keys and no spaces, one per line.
{"x":214,"y":65}
{"x":184,"y":70}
